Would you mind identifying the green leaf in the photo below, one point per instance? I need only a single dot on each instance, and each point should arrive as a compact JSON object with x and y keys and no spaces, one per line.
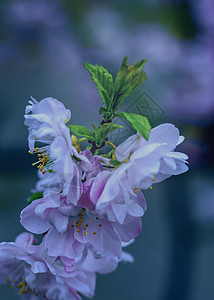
{"x":35,"y":196}
{"x":138,"y":122}
{"x":82,"y":131}
{"x":103,"y":130}
{"x":104,"y":81}
{"x":96,"y":131}
{"x":115,"y":162}
{"x":102,"y":110}
{"x":106,"y":128}
{"x":128,"y":78}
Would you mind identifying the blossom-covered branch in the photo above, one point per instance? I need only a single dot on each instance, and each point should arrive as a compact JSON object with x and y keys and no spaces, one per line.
{"x":87,"y":206}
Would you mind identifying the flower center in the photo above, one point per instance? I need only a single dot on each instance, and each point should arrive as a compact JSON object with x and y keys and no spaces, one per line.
{"x":82,"y":226}
{"x":44,"y":161}
{"x":154,"y":178}
{"x":136,"y":190}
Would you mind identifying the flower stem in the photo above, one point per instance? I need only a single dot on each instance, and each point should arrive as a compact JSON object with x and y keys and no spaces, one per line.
{"x":110,"y":144}
{"x":83,"y":140}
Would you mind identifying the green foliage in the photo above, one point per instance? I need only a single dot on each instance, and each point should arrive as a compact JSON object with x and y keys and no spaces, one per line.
{"x":115,"y":162}
{"x":96,"y":132}
{"x":82,"y":131}
{"x":103,"y":130}
{"x":104,"y":81}
{"x":128,"y":78}
{"x":138,"y":122}
{"x":102,"y":110}
{"x":35,"y":196}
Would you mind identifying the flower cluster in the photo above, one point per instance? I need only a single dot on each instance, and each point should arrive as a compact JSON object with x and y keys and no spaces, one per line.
{"x":87,"y":206}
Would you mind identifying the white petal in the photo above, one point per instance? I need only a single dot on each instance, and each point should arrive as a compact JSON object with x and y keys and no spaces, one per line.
{"x":165,"y":133}
{"x":123,"y":150}
{"x":127,"y":257}
{"x":180,"y":140}
{"x":170,"y":162}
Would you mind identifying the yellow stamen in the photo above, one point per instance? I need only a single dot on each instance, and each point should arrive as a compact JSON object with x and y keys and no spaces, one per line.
{"x":154,"y":178}
{"x":22,"y":288}
{"x":136,"y":190}
{"x":37,"y":162}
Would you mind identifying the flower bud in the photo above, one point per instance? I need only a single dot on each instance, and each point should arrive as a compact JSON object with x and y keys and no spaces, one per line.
{"x":113,"y":156}
{"x":76,"y":143}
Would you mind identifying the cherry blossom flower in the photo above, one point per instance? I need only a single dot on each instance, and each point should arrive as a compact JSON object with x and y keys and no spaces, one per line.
{"x":47,"y":125}
{"x":71,"y":230}
{"x":29,"y":270}
{"x":153,"y":160}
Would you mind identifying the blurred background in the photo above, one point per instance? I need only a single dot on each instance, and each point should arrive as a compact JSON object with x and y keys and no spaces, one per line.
{"x":43,"y":44}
